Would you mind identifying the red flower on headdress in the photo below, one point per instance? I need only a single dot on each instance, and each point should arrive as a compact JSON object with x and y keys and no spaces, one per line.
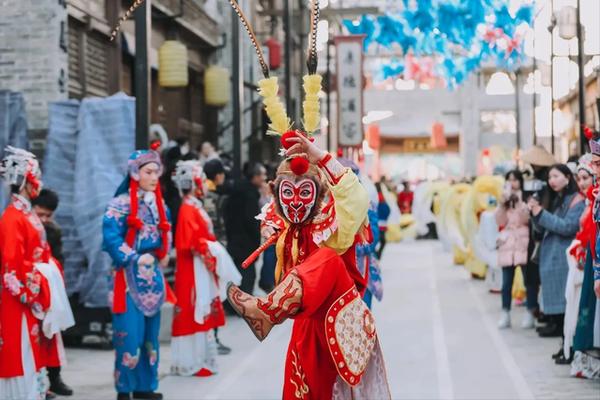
{"x":155,"y":145}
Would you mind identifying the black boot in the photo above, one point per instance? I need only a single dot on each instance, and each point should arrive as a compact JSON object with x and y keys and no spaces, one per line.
{"x":57,"y":386}
{"x":558,"y":354}
{"x":562,"y":360}
{"x":123,"y":396}
{"x":554,"y":327}
{"x":147,"y":395}
{"x":551,"y":330}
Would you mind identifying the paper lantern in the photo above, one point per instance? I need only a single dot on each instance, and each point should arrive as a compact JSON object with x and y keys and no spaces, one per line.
{"x":172,"y":65}
{"x":438,"y":138}
{"x":274,"y":49}
{"x":374,"y":136}
{"x":217,"y":86}
{"x":567,"y":23}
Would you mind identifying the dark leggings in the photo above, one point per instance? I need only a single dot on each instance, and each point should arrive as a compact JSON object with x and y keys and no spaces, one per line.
{"x":508,"y":276}
{"x":531,"y":276}
{"x":381,"y":243}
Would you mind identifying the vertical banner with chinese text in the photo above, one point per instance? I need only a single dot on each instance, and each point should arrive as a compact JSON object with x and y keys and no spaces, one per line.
{"x":349,"y":62}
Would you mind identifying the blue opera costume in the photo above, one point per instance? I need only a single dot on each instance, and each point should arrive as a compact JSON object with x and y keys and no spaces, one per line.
{"x":138,"y":290}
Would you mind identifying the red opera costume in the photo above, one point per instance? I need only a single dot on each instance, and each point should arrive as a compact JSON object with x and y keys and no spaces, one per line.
{"x":24,"y":294}
{"x":319,"y":215}
{"x":192,"y":236}
{"x":201,"y":262}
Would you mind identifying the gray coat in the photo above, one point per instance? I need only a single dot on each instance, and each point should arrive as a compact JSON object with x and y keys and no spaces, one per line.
{"x":558,"y":229}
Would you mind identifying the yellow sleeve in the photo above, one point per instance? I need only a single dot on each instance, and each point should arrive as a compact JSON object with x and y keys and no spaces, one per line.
{"x":351,"y":206}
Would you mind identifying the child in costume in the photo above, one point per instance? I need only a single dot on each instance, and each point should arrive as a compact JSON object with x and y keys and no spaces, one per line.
{"x":137,"y":236}
{"x":317,"y":218}
{"x":24,"y":291}
{"x":203,"y":268}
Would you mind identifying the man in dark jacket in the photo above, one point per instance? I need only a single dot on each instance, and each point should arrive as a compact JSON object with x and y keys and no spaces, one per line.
{"x":243,"y":229}
{"x":215,"y":197}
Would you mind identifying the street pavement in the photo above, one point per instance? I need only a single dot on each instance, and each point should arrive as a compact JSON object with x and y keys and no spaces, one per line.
{"x":437,"y":328}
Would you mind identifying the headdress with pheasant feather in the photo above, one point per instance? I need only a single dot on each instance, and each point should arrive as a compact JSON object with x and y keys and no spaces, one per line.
{"x":281,"y":125}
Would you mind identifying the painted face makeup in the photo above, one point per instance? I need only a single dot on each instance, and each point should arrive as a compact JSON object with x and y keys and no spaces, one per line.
{"x":297,"y":199}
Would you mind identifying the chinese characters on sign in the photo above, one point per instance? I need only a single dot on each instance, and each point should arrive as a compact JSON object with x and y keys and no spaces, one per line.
{"x":350,"y":90}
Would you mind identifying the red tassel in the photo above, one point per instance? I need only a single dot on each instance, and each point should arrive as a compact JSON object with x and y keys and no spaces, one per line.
{"x":284,"y":139}
{"x":134,"y":222}
{"x":119,"y":302}
{"x":589,"y":134}
{"x":163,"y":224}
{"x":299,"y":165}
{"x":170,"y":294}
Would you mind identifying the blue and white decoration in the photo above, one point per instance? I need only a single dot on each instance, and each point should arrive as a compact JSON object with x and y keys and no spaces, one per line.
{"x":447,"y":39}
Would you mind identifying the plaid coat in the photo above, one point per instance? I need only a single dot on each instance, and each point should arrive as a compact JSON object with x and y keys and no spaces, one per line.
{"x":558,"y":229}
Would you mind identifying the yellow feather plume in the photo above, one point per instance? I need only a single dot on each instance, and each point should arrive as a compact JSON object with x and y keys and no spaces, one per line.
{"x":311,"y":105}
{"x":269,"y":89}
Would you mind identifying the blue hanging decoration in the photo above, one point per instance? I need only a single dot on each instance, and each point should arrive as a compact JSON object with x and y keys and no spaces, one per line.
{"x":392,"y":69}
{"x":366,"y":26}
{"x":504,"y":20}
{"x":422,"y":18}
{"x":524,"y":14}
{"x":453,"y":34}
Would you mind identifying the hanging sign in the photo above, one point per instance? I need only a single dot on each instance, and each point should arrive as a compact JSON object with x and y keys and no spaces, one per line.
{"x":349,"y":62}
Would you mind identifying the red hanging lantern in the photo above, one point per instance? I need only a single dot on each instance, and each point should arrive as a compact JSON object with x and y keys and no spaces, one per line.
{"x":438,"y":138}
{"x":274,"y":48}
{"x":373,"y":136}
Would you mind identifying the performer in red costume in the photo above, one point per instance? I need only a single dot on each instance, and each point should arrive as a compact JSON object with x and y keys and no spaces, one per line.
{"x":201,"y":265}
{"x":24,"y":292}
{"x":318,"y":215}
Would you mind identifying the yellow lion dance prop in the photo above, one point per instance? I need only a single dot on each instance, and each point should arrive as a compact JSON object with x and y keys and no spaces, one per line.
{"x":477,"y":201}
{"x":450,"y":228}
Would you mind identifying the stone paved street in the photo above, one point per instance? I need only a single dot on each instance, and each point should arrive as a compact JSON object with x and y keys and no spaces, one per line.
{"x":438,"y":332}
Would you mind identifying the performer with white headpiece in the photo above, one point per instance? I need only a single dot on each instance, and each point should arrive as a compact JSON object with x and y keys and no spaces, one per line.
{"x":24,"y":294}
{"x":203,"y":269}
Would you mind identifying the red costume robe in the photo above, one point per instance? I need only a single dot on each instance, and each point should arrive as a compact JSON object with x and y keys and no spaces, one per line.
{"x":192,"y":237}
{"x":25,"y":294}
{"x":334,"y":348}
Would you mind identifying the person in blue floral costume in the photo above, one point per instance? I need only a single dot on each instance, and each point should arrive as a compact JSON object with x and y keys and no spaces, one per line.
{"x":137,"y":236}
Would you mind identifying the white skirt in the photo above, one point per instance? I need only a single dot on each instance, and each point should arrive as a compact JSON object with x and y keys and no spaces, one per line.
{"x":191,"y":353}
{"x":30,"y":386}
